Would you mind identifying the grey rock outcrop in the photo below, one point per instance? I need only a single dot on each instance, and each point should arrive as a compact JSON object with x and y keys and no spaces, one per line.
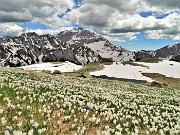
{"x":31,"y":48}
{"x":28,"y":49}
{"x":176,"y":58}
{"x":141,"y":55}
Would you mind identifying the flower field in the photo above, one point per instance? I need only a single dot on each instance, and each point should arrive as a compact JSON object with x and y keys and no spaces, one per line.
{"x":40,"y":103}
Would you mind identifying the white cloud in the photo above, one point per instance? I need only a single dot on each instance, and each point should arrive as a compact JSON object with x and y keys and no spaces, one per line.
{"x":45,"y":12}
{"x":48,"y":31}
{"x":32,"y":10}
{"x":118,"y":20}
{"x":172,"y":31}
{"x":53,"y":21}
{"x":91,"y":15}
{"x":123,"y":6}
{"x":164,"y":5}
{"x":121,"y":18}
{"x":9,"y":29}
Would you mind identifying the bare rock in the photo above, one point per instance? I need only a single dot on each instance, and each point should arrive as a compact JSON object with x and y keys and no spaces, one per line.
{"x":57,"y":72}
{"x":158,"y":84}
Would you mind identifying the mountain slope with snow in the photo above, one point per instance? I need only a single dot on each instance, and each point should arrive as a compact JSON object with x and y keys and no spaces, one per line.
{"x":28,"y":49}
{"x":85,"y":38}
{"x":78,"y":45}
{"x":168,"y":51}
{"x":31,"y":48}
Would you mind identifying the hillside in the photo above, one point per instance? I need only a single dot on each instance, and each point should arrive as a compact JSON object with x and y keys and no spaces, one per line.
{"x":41,"y":103}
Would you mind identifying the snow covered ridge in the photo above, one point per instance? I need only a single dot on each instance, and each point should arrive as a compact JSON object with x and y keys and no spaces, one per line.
{"x":167,"y":68}
{"x":77,"y":45}
{"x":62,"y":67}
{"x":31,"y":48}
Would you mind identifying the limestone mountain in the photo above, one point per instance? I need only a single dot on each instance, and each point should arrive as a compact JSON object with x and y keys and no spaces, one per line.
{"x":77,"y":45}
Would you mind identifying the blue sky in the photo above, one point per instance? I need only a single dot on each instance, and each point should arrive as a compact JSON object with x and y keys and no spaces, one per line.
{"x":34,"y":26}
{"x":154,"y":23}
{"x":146,"y":44}
{"x":141,"y":43}
{"x":150,"y":13}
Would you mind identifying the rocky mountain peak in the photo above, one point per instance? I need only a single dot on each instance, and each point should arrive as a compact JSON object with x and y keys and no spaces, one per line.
{"x":76,"y":38}
{"x":29,"y":34}
{"x":78,"y":34}
{"x":4,"y":39}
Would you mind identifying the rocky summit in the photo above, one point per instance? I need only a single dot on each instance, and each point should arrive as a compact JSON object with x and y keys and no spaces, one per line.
{"x":77,"y":45}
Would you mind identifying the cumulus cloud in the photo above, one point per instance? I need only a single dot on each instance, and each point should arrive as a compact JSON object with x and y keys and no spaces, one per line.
{"x":172,"y":30}
{"x":137,"y":23}
{"x":91,"y":15}
{"x":123,"y":6}
{"x":30,"y":10}
{"x":9,"y":29}
{"x":46,"y":12}
{"x":164,"y":4}
{"x":121,"y":18}
{"x":15,"y":16}
{"x":118,"y":20}
{"x":47,"y":31}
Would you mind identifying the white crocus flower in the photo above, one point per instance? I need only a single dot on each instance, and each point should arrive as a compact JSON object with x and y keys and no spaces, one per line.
{"x":30,"y":132}
{"x":1,"y":111}
{"x":3,"y":121}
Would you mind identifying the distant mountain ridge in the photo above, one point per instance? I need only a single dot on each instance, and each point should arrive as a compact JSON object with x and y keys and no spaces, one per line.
{"x":169,"y":51}
{"x":77,"y":45}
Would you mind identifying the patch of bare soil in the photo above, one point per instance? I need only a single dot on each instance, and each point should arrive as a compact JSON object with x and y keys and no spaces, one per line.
{"x":173,"y":82}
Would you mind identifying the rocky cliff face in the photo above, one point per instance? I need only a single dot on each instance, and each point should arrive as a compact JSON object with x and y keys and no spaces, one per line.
{"x":143,"y":54}
{"x":75,"y":40}
{"x":1,"y":40}
{"x":4,"y":39}
{"x":28,"y":49}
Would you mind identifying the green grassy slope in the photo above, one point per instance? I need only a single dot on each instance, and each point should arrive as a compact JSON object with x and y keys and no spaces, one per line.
{"x":40,"y":103}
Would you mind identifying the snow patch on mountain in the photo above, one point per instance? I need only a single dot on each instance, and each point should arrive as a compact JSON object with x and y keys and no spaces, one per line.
{"x":62,"y":67}
{"x":123,"y":71}
{"x":167,"y":68}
